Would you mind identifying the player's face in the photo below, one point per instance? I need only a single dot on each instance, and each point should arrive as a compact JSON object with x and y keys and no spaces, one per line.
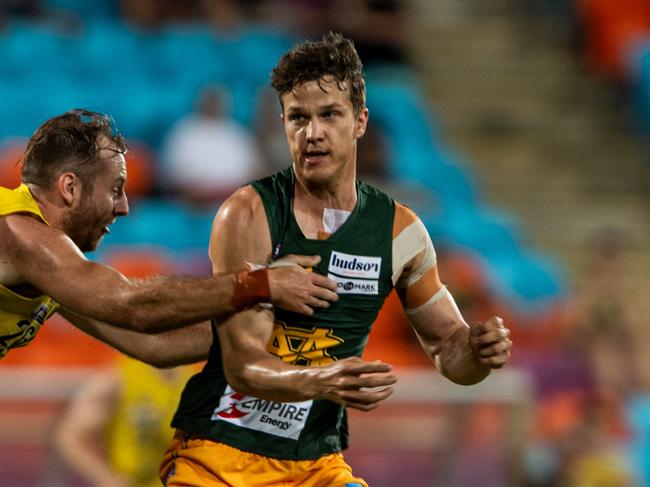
{"x":322,"y":129}
{"x":102,"y":203}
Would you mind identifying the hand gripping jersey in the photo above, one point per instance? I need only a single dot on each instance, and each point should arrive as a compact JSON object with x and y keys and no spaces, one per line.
{"x":359,"y":257}
{"x":20,"y":317}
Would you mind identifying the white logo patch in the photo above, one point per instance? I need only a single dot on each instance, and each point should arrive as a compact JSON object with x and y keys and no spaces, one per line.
{"x":285,"y":419}
{"x":359,"y":266}
{"x":346,"y":285}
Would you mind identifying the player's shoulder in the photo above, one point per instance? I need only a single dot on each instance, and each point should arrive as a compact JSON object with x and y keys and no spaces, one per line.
{"x":404,"y":218}
{"x":243,"y":206}
{"x":21,"y":225}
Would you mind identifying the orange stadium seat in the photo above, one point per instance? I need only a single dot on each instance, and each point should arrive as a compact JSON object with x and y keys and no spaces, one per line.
{"x":392,"y":339}
{"x":11,"y":152}
{"x":610,"y":29}
{"x":141,"y":169}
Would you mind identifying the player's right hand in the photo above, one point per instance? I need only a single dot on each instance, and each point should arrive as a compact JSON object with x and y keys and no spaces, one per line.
{"x":355,"y":383}
{"x":294,"y":288}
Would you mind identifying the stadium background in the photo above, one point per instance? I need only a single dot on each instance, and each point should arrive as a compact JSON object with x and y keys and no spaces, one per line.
{"x":516,"y":129}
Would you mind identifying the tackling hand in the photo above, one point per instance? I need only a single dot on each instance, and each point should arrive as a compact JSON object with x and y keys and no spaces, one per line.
{"x":294,"y":288}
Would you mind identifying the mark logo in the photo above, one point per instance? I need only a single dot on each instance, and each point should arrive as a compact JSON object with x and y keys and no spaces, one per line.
{"x":355,"y":286}
{"x":303,"y":346}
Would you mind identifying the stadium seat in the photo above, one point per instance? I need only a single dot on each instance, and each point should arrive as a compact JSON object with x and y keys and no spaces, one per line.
{"x":11,"y":152}
{"x":141,"y":169}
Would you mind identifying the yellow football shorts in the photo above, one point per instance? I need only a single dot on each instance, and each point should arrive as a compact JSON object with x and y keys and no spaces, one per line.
{"x":197,"y":462}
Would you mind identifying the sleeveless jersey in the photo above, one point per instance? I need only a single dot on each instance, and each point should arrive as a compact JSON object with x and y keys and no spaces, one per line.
{"x":139,"y":433}
{"x":358,"y":257}
{"x":20,"y":317}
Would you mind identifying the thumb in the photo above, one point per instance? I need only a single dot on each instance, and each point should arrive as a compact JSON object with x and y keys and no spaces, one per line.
{"x":477,"y":328}
{"x":301,"y":260}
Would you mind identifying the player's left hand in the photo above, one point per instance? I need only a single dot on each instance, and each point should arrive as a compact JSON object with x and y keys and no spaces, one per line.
{"x":490,"y":343}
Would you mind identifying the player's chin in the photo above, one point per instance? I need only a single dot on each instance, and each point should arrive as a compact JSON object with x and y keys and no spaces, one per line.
{"x":92,"y":245}
{"x":318,"y":175}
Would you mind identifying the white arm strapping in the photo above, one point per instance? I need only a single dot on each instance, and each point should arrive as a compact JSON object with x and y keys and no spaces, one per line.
{"x":409,"y":243}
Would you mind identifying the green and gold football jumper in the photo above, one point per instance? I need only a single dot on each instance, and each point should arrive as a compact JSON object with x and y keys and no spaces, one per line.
{"x":20,"y":317}
{"x":358,"y":257}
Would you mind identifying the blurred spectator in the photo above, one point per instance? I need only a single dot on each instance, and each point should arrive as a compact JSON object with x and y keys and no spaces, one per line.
{"x":373,"y":163}
{"x":608,"y":311}
{"x":150,"y":14}
{"x":207,"y":155}
{"x":225,"y":15}
{"x":269,"y":133}
{"x":307,"y":18}
{"x":116,"y":428}
{"x":378,"y":28}
{"x":21,"y":8}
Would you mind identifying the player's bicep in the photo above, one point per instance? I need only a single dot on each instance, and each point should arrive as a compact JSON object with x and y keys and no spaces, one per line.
{"x":46,"y":258}
{"x":240,"y":236}
{"x":240,"y":233}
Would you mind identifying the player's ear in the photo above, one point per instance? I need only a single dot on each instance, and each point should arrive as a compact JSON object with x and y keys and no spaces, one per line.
{"x":361,"y":123}
{"x":69,"y":187}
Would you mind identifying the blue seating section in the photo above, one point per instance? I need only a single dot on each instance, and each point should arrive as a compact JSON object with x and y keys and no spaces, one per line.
{"x":148,"y":81}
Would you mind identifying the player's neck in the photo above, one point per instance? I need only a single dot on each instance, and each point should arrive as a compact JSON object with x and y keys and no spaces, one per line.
{"x":47,"y":203}
{"x":339,"y":194}
{"x":310,"y":204}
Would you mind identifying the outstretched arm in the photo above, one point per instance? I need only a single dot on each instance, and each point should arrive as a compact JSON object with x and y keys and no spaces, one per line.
{"x":47,"y":259}
{"x":465,"y":354}
{"x":170,"y":348}
{"x":240,"y":234}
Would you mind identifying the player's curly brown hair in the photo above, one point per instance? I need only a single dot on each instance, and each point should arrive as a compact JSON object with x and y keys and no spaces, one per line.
{"x":334,"y":55}
{"x":68,"y":142}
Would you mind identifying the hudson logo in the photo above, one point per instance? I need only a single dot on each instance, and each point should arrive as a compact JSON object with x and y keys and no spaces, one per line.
{"x":302,"y":346}
{"x":276,"y":418}
{"x":354,"y":265}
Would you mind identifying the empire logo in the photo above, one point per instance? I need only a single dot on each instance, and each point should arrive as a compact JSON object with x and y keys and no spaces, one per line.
{"x":286,"y":420}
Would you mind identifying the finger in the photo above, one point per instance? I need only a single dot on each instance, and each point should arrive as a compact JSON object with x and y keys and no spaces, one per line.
{"x":371,"y":381}
{"x":491,"y":336}
{"x":301,"y":260}
{"x":323,"y":282}
{"x":359,"y":367}
{"x":496,"y":361}
{"x":325,"y":294}
{"x":492,"y":323}
{"x":314,"y":302}
{"x":496,"y":349}
{"x":366,"y":397}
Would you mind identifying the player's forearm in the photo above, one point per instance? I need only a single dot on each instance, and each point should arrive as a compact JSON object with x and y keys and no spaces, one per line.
{"x":165,"y":349}
{"x":165,"y":303}
{"x":457,"y":361}
{"x":268,"y":377}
